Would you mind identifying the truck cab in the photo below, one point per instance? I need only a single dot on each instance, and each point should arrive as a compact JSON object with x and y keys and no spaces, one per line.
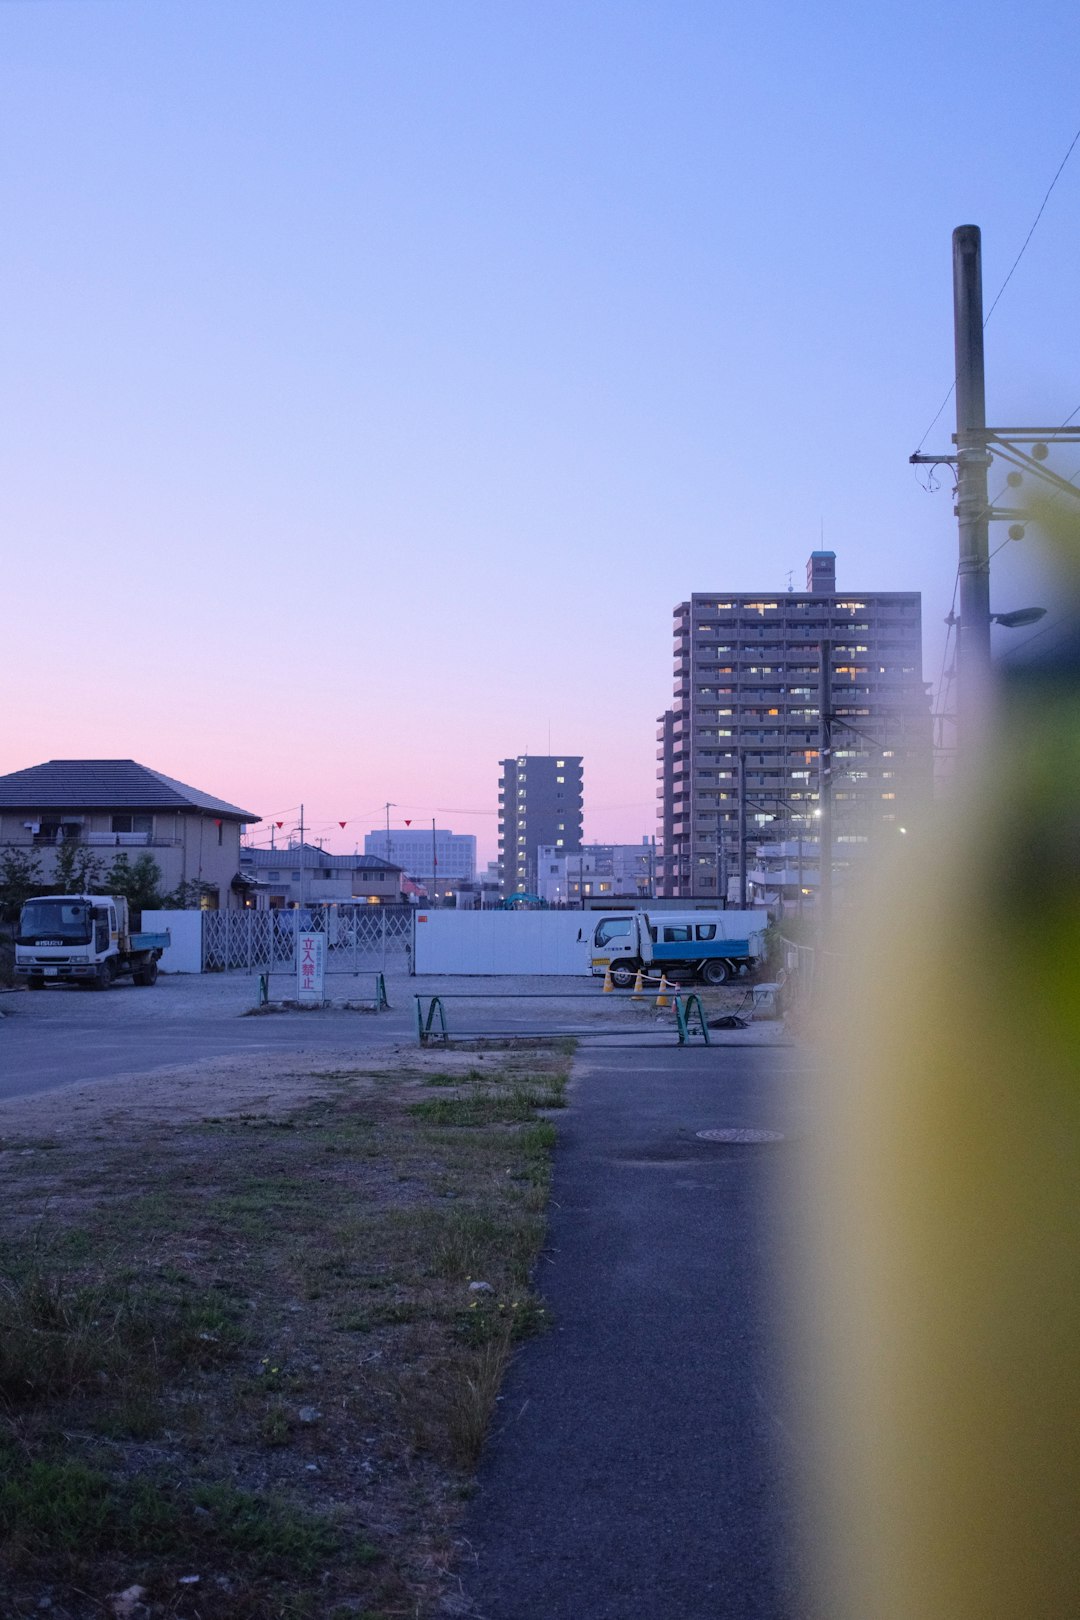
{"x":82,"y":939}
{"x":711,"y":946}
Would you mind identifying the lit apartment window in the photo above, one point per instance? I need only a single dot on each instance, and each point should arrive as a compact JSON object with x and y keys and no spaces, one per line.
{"x":560,"y":779}
{"x":560,"y":764}
{"x":559,"y":843}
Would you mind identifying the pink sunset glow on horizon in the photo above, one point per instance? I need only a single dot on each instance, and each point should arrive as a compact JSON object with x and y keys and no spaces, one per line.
{"x":379,"y":380}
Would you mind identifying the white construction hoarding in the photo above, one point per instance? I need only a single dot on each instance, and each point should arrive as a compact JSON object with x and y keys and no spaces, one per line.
{"x":488,"y":942}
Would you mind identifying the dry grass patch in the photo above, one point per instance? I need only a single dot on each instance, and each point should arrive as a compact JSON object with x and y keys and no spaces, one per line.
{"x":248,"y":1349}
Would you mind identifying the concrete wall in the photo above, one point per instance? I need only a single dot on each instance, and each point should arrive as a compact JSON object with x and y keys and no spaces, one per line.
{"x":185,"y":953}
{"x":475,"y":942}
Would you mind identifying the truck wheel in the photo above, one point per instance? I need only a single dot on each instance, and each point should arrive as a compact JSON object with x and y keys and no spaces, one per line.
{"x":714,"y":972}
{"x":146,"y":975}
{"x":34,"y":983}
{"x":623,"y":975}
{"x":105,"y":976}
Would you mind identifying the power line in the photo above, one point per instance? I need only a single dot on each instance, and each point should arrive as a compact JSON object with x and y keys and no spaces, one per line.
{"x":1055,"y":624}
{"x":1034,"y":222}
{"x":1008,"y":278}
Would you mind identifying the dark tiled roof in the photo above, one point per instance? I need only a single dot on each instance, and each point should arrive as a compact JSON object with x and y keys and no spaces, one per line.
{"x":314,"y":856}
{"x":107,"y":784}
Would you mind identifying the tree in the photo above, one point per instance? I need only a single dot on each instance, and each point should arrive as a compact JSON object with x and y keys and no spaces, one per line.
{"x":138,"y":882}
{"x":78,"y":870}
{"x":188,"y":896}
{"x":20,"y":879}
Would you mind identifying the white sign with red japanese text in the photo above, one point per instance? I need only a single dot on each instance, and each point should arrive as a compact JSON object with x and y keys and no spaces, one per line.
{"x":311,"y":968}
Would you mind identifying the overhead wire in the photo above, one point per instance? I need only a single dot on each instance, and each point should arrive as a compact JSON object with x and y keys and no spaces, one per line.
{"x":1008,"y":278}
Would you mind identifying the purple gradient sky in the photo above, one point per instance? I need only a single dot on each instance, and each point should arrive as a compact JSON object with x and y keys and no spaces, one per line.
{"x":378,"y":377}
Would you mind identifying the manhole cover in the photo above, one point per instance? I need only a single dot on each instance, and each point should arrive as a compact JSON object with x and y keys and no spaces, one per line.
{"x":740,"y":1134}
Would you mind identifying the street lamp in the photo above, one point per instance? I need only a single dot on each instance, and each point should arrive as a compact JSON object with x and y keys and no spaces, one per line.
{"x":1018,"y":617}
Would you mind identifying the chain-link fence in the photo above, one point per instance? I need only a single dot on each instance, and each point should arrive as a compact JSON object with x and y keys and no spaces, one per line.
{"x":359,"y":938}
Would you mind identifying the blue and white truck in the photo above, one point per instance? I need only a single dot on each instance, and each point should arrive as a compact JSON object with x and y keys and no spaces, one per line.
{"x":711,"y":946}
{"x":83,"y":939}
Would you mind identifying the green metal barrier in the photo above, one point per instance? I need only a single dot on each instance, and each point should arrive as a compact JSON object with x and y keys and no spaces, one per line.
{"x":433,"y":1025}
{"x":684,"y":1017}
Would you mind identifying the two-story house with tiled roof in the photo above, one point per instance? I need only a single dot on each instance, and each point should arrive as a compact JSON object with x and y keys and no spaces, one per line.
{"x":114,"y":806}
{"x":308,"y":875}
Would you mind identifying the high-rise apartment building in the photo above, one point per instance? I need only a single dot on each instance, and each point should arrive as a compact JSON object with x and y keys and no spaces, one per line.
{"x":540,"y":802}
{"x":748,"y":681}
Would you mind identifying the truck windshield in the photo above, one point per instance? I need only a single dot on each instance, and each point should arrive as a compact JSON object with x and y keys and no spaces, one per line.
{"x":611,"y":929}
{"x":65,"y":920}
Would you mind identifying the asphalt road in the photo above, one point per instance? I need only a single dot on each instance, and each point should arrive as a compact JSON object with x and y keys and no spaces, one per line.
{"x":640,"y":1469}
{"x":63,"y":1036}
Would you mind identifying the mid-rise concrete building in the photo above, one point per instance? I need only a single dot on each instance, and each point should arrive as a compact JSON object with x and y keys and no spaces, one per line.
{"x":748,"y":679}
{"x":436,"y":858}
{"x":540,"y":802}
{"x":614,"y":870}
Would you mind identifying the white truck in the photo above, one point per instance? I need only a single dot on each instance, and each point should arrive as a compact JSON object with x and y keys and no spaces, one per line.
{"x":83,"y":939}
{"x":711,"y":946}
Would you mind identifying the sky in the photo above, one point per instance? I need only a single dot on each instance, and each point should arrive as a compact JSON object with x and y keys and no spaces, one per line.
{"x":377,"y":377}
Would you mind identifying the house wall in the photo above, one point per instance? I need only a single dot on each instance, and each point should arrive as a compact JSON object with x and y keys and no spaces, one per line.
{"x":187,"y":848}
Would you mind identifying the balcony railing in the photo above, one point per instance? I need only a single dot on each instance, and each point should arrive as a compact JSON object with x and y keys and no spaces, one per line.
{"x":95,"y":840}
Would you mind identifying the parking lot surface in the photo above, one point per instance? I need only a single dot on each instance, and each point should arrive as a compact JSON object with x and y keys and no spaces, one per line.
{"x":65,"y":1035}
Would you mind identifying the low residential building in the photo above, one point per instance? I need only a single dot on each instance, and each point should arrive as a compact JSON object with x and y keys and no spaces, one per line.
{"x":109,"y":807}
{"x":306,"y":875}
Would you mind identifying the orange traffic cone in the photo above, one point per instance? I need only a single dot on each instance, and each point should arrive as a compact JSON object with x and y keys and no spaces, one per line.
{"x":608,"y":985}
{"x":662,"y":998}
{"x":639,"y":987}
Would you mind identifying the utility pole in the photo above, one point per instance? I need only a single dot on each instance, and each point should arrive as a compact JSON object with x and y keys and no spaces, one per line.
{"x":972,"y":508}
{"x":742,"y":829}
{"x":301,"y":855}
{"x":825,"y":783}
{"x":389,"y":807}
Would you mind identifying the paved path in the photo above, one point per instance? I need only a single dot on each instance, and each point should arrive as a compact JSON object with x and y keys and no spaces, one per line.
{"x":638,"y":1471}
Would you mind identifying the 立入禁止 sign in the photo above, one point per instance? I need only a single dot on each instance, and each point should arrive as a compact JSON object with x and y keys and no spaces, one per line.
{"x":311,"y":967}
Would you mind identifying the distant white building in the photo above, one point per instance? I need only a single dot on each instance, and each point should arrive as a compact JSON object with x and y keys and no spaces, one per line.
{"x":595,"y":869}
{"x":412,"y":848}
